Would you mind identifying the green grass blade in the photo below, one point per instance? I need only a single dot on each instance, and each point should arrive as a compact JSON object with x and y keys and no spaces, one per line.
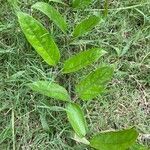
{"x":58,"y":1}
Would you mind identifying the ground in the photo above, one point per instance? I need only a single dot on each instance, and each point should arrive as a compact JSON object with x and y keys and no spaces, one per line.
{"x":28,"y":120}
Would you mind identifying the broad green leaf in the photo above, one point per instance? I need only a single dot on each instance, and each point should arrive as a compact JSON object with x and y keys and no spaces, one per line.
{"x":81,"y":3}
{"x":82,"y":59}
{"x":118,"y":140}
{"x":94,"y":83}
{"x":76,"y":119}
{"x":52,"y":13}
{"x":86,"y":25}
{"x":39,"y":38}
{"x":138,"y":147}
{"x":50,"y":89}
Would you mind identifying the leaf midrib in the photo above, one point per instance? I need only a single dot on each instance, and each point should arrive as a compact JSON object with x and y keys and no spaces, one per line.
{"x":38,"y":38}
{"x":88,"y":87}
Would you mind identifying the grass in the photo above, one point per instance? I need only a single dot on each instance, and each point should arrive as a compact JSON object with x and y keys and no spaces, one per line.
{"x":27,"y":119}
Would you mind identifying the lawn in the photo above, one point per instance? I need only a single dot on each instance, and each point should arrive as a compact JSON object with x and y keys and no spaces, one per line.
{"x":29,"y":121}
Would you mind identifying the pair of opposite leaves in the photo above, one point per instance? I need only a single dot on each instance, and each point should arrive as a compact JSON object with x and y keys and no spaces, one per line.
{"x":39,"y":37}
{"x":87,"y":89}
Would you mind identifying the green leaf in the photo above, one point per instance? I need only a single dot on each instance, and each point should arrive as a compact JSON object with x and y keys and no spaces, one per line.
{"x":52,"y":13}
{"x":76,"y":119}
{"x":94,"y":83}
{"x":50,"y":89}
{"x":118,"y":140}
{"x":86,"y":25}
{"x":39,"y":38}
{"x":81,"y":3}
{"x":138,"y":147}
{"x":82,"y":59}
{"x":5,"y":134}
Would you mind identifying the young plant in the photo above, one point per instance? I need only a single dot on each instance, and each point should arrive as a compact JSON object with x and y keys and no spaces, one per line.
{"x":88,"y":88}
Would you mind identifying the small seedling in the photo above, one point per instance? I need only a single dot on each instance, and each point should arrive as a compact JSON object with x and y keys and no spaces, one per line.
{"x":88,"y":88}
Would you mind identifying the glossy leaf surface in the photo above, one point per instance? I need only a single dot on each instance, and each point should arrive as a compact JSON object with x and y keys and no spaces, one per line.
{"x":39,"y":38}
{"x":86,"y":25}
{"x":94,"y":83}
{"x":52,"y":13}
{"x":118,"y":140}
{"x":76,"y":119}
{"x":49,"y":89}
{"x":82,"y":59}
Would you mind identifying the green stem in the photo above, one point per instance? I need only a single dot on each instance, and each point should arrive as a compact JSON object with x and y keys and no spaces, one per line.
{"x":106,"y":8}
